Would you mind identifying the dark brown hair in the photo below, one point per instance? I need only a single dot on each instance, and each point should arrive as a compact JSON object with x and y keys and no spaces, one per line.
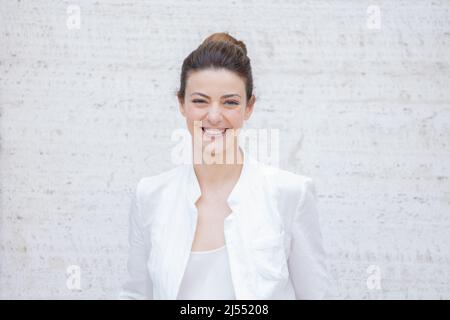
{"x":218,"y":51}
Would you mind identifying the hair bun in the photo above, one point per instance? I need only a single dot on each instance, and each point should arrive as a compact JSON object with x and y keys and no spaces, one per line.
{"x":225,"y":37}
{"x":218,"y":51}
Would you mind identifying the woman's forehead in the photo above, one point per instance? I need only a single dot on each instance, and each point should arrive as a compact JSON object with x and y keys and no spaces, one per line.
{"x":215,"y":82}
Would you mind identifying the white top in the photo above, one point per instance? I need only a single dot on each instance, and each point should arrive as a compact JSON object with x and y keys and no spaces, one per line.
{"x":207,"y":276}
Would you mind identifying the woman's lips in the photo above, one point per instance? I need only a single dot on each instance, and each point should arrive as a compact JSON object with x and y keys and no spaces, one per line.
{"x":214,"y":132}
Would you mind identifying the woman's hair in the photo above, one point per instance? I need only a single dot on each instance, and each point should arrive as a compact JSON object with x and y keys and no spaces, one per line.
{"x":218,"y":51}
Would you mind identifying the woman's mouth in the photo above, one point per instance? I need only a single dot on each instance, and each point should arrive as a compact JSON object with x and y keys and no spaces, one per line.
{"x":214,"y":132}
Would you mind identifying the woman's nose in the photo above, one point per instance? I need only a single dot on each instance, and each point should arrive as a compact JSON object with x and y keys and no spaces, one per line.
{"x":214,"y":115}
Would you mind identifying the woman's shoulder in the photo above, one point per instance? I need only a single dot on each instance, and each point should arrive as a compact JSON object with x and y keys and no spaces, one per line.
{"x":154,"y":185}
{"x":151,"y":189}
{"x":285,"y":181}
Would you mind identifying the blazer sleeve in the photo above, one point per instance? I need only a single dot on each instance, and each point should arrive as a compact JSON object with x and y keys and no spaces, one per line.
{"x":307,"y":258}
{"x":138,"y":284}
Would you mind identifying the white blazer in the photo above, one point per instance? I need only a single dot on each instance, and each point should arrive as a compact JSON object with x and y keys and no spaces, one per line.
{"x":273,"y":234}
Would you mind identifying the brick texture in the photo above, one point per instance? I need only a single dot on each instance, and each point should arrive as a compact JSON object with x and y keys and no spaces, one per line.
{"x":85,"y":112}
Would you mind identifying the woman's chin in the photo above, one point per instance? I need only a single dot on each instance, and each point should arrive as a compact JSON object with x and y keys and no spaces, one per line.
{"x":212,"y":154}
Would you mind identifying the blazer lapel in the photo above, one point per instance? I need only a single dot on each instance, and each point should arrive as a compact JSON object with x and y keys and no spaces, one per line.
{"x":250,"y":217}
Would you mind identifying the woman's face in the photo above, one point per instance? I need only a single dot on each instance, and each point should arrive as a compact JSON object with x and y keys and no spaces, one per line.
{"x":215,"y":108}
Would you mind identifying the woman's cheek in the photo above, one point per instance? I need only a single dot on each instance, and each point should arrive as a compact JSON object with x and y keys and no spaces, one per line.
{"x":195,"y":114}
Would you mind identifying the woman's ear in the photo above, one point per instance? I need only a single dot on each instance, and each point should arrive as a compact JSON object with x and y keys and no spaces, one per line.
{"x":249,"y":107}
{"x":181,"y":106}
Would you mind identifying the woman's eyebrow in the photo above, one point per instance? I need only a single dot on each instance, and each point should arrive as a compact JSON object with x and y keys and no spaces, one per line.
{"x":224,"y":96}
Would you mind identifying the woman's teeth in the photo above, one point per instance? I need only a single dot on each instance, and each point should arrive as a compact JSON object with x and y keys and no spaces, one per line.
{"x":214,"y":132}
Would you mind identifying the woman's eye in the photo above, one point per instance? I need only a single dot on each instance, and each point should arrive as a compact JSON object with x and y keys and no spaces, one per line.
{"x":234,"y":103}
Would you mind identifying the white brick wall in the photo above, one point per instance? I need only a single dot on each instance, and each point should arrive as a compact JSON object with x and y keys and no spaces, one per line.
{"x":85,"y":113}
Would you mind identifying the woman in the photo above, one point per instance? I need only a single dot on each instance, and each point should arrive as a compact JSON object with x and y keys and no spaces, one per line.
{"x":224,"y":226}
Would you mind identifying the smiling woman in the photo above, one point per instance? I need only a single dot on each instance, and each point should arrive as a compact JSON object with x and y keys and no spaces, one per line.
{"x":216,"y":94}
{"x":223,"y":230}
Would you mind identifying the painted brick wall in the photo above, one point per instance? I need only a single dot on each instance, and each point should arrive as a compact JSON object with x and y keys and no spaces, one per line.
{"x":361,"y":98}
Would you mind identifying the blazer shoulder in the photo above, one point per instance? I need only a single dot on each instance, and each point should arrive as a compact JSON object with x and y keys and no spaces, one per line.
{"x":150,"y":189}
{"x":288,"y":189}
{"x":284,"y":181}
